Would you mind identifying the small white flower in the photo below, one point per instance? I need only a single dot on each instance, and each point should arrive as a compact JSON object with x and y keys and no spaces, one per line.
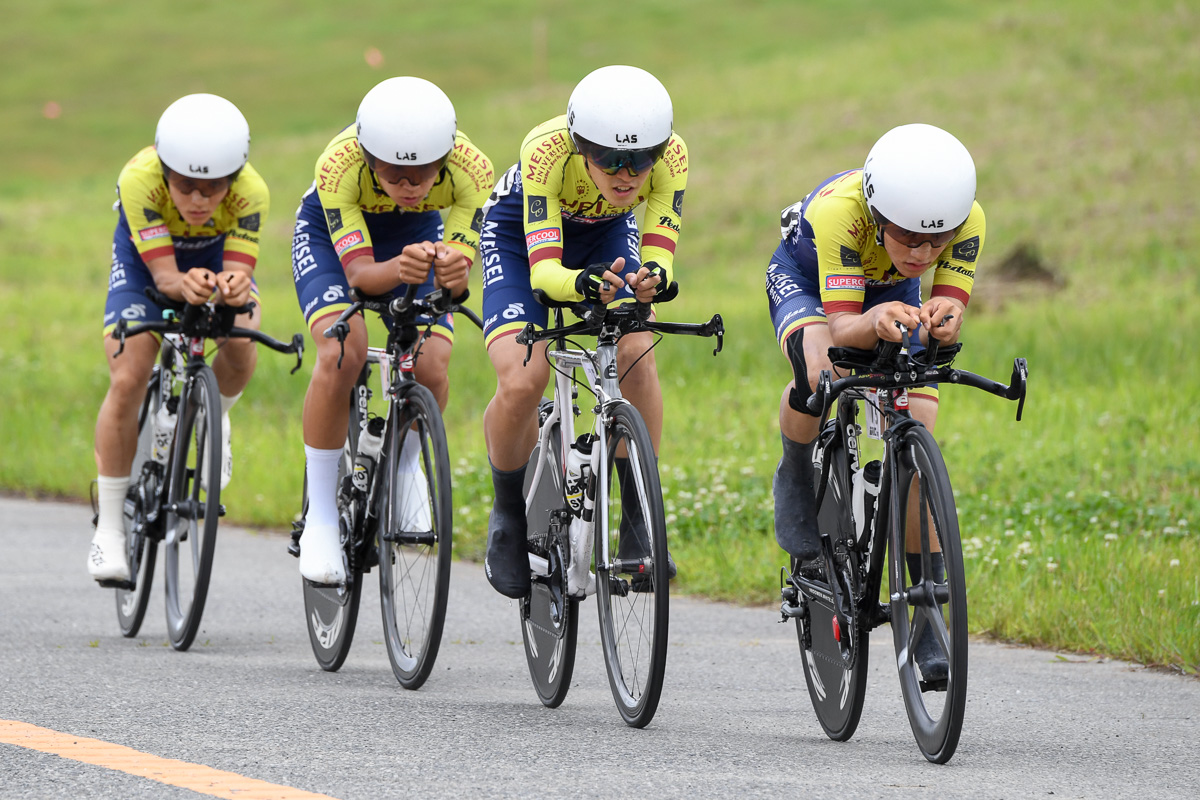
{"x":1071,"y":495}
{"x":1162,"y":592}
{"x":1174,"y":562}
{"x":1110,"y":537}
{"x":1169,"y":530}
{"x":1094,"y":520}
{"x":1051,"y":566}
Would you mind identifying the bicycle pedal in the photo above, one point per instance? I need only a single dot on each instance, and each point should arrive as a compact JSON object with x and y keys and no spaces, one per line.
{"x":933,"y":686}
{"x":293,"y":549}
{"x":128,"y":586}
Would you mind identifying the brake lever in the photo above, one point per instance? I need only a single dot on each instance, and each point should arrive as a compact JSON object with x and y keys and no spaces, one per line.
{"x":523,"y":336}
{"x":716,"y":327}
{"x":298,"y":345}
{"x":338,"y":330}
{"x":119,"y":335}
{"x":1021,"y":375}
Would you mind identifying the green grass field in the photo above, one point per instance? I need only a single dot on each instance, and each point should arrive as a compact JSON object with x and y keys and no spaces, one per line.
{"x":1079,"y":522}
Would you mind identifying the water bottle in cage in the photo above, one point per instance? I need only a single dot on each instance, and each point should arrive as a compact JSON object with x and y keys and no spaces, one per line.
{"x":163,"y":430}
{"x":577,"y":486}
{"x":370,"y":442}
{"x":865,"y":493}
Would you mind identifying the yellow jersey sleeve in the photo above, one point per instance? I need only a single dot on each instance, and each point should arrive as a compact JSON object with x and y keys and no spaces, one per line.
{"x":469,"y":178}
{"x":248,"y":202}
{"x":348,"y":189}
{"x":955,"y":273}
{"x":155,"y":223}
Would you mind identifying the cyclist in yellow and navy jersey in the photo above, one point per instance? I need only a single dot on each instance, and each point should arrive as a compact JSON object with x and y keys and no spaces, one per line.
{"x":191,"y":209}
{"x":371,"y":220}
{"x":561,"y":220}
{"x":847,"y":269}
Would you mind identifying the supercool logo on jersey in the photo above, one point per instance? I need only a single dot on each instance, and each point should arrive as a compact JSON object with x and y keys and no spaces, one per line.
{"x":157,"y":232}
{"x":834,"y":282}
{"x":346,"y":242}
{"x":541,"y":237}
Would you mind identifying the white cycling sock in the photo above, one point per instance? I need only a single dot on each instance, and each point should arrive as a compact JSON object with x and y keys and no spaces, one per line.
{"x":227,"y":402}
{"x":110,"y":496}
{"x":321,"y":469}
{"x":411,"y":453}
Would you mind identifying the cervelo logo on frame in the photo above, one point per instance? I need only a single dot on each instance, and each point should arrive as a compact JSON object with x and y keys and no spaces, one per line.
{"x":541,"y":237}
{"x":157,"y":232}
{"x":845,"y":282}
{"x":349,"y":240}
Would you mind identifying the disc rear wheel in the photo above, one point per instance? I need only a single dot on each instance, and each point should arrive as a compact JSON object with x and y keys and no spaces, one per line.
{"x":331,"y":612}
{"x":832,"y":646}
{"x":141,"y":517}
{"x":549,"y":617}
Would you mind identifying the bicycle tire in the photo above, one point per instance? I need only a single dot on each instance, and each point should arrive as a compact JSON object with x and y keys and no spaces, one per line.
{"x":632,"y":586}
{"x":193,"y":506}
{"x":832,"y":654}
{"x":935,"y":714}
{"x":549,"y":616}
{"x":331,"y":612}
{"x":416,"y":539}
{"x":141,"y":502}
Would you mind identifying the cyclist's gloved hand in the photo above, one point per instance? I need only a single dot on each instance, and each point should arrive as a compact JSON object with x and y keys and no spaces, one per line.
{"x":590,"y":281}
{"x":664,"y":291}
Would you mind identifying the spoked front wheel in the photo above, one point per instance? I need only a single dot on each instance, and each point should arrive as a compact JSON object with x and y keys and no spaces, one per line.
{"x":331,"y":612}
{"x":141,"y":518}
{"x":193,"y":507}
{"x":549,"y":616}
{"x":929,"y":598}
{"x":833,"y":648}
{"x":631,"y":584}
{"x":415,"y":539}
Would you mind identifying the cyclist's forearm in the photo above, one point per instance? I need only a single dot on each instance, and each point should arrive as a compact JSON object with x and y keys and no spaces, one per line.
{"x":167,"y":277}
{"x":372,"y":277}
{"x":847,"y":329}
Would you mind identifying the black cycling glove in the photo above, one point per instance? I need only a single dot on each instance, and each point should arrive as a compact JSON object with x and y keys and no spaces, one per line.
{"x":590,"y":281}
{"x":664,"y":291}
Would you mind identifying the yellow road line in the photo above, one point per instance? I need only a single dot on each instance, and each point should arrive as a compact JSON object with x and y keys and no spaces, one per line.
{"x":196,"y":777}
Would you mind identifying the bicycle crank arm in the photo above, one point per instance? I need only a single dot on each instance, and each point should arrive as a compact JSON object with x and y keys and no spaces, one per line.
{"x":410,"y":537}
{"x":539,"y":566}
{"x":190,"y":509}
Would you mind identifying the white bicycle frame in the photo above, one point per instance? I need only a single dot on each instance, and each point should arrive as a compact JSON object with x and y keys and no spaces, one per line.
{"x":600,"y":369}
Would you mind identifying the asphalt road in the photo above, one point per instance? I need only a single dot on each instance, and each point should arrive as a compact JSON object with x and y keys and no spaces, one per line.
{"x":735,"y":719}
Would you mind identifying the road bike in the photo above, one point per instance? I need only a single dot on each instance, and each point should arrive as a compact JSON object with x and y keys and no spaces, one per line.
{"x":394,"y":505}
{"x":900,"y":509}
{"x":175,"y":485}
{"x":595,"y":514}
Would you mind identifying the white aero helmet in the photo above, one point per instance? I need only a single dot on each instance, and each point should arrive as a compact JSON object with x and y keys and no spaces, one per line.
{"x":620,"y":116}
{"x":919,"y":177}
{"x":203,"y":136}
{"x":406,"y":121}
